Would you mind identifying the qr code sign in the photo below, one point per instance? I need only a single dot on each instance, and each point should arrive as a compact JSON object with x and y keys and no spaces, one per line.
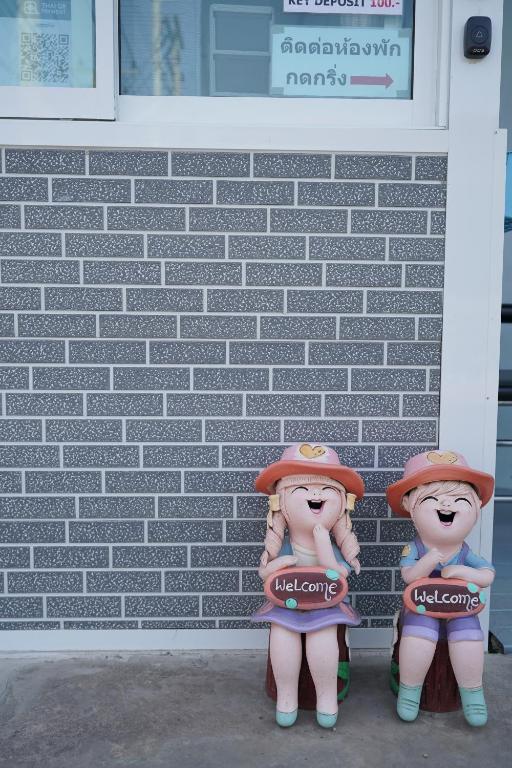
{"x":44,"y":58}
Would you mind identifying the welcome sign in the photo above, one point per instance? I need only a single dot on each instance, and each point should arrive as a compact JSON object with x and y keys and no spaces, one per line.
{"x":306,"y":588}
{"x":444,"y":598}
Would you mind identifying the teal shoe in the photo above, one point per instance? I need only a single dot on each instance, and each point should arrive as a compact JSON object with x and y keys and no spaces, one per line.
{"x":326,"y":721}
{"x":408,"y":702}
{"x":473,"y":705}
{"x":286,"y":719}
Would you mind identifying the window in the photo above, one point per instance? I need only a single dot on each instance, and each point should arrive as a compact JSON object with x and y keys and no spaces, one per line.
{"x":239,"y":55}
{"x":365,"y":62}
{"x":56,"y":58}
{"x":348,"y":49}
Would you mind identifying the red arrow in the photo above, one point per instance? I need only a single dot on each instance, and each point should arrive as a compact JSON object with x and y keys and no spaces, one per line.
{"x":368,"y":80}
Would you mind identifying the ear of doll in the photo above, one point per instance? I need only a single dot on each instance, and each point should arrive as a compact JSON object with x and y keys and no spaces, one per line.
{"x":406,"y":503}
{"x":282,"y":505}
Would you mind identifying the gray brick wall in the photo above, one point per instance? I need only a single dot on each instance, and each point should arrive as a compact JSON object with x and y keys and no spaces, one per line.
{"x":169,"y":321}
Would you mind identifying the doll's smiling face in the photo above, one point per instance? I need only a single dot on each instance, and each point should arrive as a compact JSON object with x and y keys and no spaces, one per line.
{"x":443,"y":512}
{"x":313,"y":503}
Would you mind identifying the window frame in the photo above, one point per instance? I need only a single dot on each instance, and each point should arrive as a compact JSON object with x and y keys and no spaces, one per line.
{"x":427,"y":108}
{"x":48,"y":102}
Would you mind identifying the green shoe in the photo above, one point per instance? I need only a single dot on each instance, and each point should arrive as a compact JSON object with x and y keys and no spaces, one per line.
{"x":326,"y":721}
{"x":286,"y":719}
{"x":408,"y":702}
{"x":473,"y":705}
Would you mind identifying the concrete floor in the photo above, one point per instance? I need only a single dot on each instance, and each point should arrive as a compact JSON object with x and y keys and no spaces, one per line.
{"x":209,"y":710}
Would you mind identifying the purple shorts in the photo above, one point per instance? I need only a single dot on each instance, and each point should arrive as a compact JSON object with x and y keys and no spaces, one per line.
{"x":416,"y":625}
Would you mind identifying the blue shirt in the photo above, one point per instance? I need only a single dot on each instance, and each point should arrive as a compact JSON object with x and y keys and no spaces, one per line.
{"x":286,"y":549}
{"x":411,"y":557}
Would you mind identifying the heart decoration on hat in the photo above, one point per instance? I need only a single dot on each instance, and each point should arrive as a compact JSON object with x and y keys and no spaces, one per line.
{"x":446,"y":457}
{"x":312,"y":451}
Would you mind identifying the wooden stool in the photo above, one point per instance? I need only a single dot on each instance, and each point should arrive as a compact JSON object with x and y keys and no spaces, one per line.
{"x":307,"y":693}
{"x":440,"y":690}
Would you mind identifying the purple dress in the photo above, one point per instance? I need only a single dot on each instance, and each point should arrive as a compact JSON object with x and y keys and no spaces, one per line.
{"x":308,"y":621}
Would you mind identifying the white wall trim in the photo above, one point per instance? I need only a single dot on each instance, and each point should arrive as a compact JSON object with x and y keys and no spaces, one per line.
{"x":327,"y":138}
{"x":63,"y":640}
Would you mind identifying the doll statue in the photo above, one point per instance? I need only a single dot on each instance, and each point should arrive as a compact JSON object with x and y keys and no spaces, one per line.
{"x":443,"y":496}
{"x":308,"y":489}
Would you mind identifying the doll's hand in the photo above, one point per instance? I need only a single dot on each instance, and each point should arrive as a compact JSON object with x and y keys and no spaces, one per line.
{"x":432,"y":556}
{"x":450,"y":572}
{"x":266,"y":569}
{"x":321,"y":534}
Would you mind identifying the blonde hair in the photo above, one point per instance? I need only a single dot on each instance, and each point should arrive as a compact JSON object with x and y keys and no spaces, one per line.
{"x":342,"y":532}
{"x":450,"y":487}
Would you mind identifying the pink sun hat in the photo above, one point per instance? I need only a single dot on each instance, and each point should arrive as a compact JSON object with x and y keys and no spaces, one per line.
{"x":437,"y":465}
{"x":309,"y":458}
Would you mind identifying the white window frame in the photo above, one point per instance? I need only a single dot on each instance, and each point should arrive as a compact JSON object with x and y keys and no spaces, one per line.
{"x":96,"y":103}
{"x":424,"y":110}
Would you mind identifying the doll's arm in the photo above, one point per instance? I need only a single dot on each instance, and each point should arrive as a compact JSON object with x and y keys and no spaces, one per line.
{"x":325,"y":552}
{"x":267,"y":568}
{"x":422,"y":568}
{"x":482,"y":577}
{"x":475,"y":569}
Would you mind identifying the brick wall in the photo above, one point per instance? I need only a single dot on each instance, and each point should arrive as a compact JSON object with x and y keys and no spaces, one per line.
{"x":171,"y":320}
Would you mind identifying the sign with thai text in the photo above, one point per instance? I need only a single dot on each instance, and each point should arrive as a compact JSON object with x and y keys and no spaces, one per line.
{"x":306,"y":588}
{"x":346,"y":62}
{"x":444,"y":598}
{"x":47,"y":43}
{"x":376,"y":7}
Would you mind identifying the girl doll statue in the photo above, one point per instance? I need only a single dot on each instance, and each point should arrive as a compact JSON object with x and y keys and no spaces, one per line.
{"x":308,"y":489}
{"x":443,"y":496}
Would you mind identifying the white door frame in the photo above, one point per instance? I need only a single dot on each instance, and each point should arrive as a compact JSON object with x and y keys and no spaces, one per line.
{"x":474,"y":257}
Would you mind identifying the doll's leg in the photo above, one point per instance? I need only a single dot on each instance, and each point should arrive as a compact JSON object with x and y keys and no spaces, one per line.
{"x":322,"y":652}
{"x":467,"y":657}
{"x":416,"y":654}
{"x":286,"y":656}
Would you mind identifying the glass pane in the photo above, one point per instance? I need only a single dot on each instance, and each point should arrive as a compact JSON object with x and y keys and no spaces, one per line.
{"x":508,"y":193}
{"x":506,"y":347}
{"x":242,"y":31}
{"x":501,"y":590}
{"x":325,"y":48}
{"x":507,"y":269}
{"x":504,"y":470}
{"x":47,"y":43}
{"x":241,"y":75}
{"x":505,"y":422}
{"x":502,"y":536}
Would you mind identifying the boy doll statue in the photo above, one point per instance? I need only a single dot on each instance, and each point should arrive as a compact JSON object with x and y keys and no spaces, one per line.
{"x":308,"y":489}
{"x":443,"y":496}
